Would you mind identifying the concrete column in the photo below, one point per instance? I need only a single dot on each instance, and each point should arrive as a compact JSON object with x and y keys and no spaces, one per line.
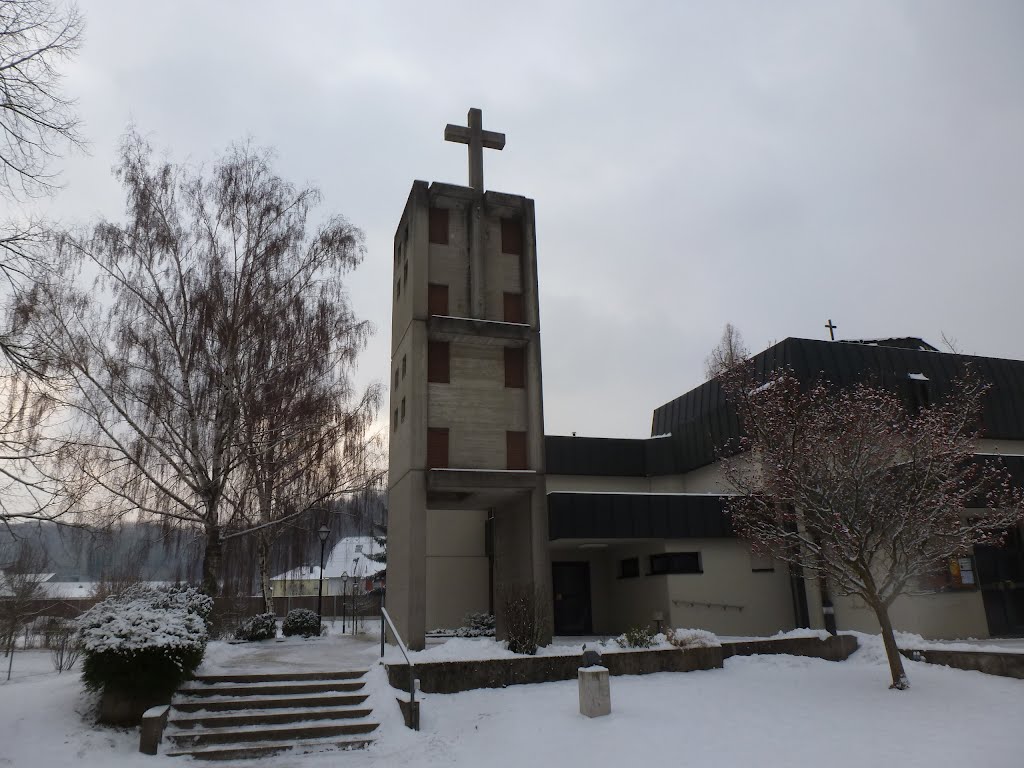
{"x":406,"y":598}
{"x":476,"y":229}
{"x":595,"y":692}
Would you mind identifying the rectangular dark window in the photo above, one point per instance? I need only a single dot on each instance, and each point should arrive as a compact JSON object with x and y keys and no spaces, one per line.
{"x":514,"y":310}
{"x":438,"y":357}
{"x":437,"y":299}
{"x":396,"y":419}
{"x":512,"y":236}
{"x":405,"y":273}
{"x":515,"y":450}
{"x":398,"y":289}
{"x":403,"y":409}
{"x":396,"y":378}
{"x":515,"y":367}
{"x":439,"y":226}
{"x":629,"y":568}
{"x":403,"y":366}
{"x":676,"y":562}
{"x":437,"y":448}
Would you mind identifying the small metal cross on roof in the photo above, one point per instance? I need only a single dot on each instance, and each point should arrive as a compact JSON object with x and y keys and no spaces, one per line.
{"x":477,"y":138}
{"x":831,"y":329}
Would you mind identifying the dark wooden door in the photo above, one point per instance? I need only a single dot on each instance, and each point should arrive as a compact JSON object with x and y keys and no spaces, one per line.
{"x":1000,"y":572}
{"x":570,"y":583}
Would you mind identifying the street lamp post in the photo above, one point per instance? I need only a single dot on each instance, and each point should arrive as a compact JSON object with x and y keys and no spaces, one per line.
{"x":323,"y":533}
{"x":344,"y":591}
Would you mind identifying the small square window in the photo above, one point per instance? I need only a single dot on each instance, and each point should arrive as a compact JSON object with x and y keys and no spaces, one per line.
{"x":629,"y":568}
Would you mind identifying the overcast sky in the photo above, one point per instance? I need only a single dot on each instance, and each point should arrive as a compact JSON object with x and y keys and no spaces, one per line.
{"x":769,"y":164}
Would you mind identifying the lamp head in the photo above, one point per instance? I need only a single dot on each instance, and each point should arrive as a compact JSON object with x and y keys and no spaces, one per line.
{"x":323,"y":533}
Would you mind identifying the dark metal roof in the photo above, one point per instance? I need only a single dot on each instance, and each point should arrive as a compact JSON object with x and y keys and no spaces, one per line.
{"x":904,"y":342}
{"x":636,"y":516}
{"x":701,"y":420}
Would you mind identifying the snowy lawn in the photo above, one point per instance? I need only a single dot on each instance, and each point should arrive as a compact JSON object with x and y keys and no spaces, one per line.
{"x":760,"y":711}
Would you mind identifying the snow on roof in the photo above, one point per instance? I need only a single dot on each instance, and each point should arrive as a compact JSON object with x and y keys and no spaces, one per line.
{"x":347,"y":556}
{"x":917,"y":376}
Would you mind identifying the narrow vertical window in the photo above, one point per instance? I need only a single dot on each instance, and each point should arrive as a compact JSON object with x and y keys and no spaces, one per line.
{"x":512,"y":236}
{"x":515,"y":450}
{"x":405,"y":273}
{"x":437,"y":299}
{"x":514,"y":309}
{"x":438,"y":362}
{"x":437,"y":448}
{"x":403,"y":409}
{"x":439,"y":226}
{"x":398,"y":289}
{"x":403,"y":366}
{"x":515,"y":367}
{"x":396,"y":378}
{"x":396,"y":419}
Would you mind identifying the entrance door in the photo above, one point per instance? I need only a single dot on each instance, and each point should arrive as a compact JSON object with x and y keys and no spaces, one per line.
{"x":1001,"y":578}
{"x":570,"y":583}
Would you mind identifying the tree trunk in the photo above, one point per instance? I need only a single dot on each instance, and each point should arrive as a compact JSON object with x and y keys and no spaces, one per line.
{"x":212,"y":561}
{"x":892,"y":651}
{"x":264,"y":566}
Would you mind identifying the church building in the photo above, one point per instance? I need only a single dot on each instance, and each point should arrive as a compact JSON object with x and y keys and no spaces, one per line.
{"x":609,"y":534}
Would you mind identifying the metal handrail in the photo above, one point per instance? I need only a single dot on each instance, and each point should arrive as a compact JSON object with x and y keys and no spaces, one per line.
{"x":403,"y":649}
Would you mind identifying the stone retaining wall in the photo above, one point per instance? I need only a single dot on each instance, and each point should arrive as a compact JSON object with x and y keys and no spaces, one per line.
{"x":835,"y":648}
{"x":992,"y":663}
{"x":457,"y":676}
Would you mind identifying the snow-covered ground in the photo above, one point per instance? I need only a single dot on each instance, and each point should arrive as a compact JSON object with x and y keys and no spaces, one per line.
{"x":764,"y":711}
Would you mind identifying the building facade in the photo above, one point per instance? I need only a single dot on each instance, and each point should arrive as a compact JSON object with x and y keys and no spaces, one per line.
{"x":608,"y":534}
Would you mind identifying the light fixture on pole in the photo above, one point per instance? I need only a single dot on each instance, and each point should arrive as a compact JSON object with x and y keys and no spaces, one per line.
{"x":323,"y":533}
{"x":344,"y":589}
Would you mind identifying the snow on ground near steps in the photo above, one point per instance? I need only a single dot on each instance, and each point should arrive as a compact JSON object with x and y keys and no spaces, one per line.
{"x":332,"y":652}
{"x":764,"y":711}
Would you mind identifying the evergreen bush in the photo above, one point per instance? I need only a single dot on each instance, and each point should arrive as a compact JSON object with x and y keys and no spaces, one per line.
{"x":636,"y":637}
{"x":476,"y":625}
{"x":144,"y":641}
{"x":260,"y":627}
{"x":301,"y":621}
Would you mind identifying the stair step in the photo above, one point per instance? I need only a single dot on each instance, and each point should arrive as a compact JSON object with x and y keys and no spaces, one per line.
{"x":276,"y":677}
{"x":253,"y":689}
{"x":292,"y":732}
{"x":229,"y":703}
{"x":243,"y":751}
{"x":267,"y":717}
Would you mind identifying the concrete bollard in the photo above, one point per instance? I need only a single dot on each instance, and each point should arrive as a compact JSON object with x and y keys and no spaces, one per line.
{"x":595,"y":692}
{"x":153,"y":723}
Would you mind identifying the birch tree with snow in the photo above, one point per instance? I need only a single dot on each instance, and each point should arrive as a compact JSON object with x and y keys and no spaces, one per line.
{"x":857,"y":488}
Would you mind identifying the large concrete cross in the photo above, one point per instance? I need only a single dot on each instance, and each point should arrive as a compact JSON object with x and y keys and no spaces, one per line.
{"x":477,"y":138}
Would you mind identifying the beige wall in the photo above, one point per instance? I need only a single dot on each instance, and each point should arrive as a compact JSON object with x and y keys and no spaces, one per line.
{"x":938,"y":616}
{"x":457,"y":566}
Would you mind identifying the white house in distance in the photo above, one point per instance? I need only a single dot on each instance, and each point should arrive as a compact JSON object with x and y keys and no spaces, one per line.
{"x":348,"y":556}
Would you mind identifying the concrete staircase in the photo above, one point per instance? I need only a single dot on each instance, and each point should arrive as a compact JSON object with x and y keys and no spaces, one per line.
{"x":227,"y":717}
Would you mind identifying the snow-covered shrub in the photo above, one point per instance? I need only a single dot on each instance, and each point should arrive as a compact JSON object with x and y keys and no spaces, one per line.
{"x":476,"y":625}
{"x":692,"y":638}
{"x":636,"y":637}
{"x":144,"y":641}
{"x":260,"y":627}
{"x":301,"y":621}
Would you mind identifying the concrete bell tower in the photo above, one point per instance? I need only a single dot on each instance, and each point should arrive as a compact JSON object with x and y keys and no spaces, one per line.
{"x":467,"y":510}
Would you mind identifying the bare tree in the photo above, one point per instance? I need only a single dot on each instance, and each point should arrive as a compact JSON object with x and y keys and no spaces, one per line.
{"x":37,"y":122}
{"x":856,"y":489}
{"x":168,"y":354}
{"x":303,"y":428}
{"x":729,"y":351}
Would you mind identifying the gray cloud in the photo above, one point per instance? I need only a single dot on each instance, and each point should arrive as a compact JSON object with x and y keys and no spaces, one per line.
{"x":768,"y":164}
